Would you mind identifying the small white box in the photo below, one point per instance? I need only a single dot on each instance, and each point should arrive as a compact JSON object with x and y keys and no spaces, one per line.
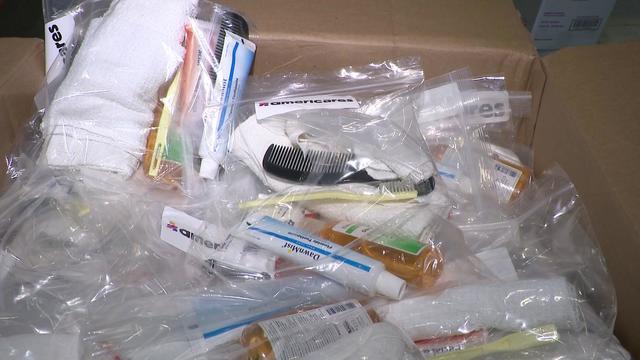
{"x":559,"y":23}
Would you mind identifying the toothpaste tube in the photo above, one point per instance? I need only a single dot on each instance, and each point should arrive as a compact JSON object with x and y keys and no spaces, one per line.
{"x":203,"y":240}
{"x":329,"y":259}
{"x":235,"y":64}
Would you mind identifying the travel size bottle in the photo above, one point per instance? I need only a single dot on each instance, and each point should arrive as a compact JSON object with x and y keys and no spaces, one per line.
{"x":298,"y":335}
{"x":403,"y":255}
{"x":512,"y":177}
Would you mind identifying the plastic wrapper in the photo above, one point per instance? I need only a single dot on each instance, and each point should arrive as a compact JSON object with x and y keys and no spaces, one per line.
{"x":201,"y":322}
{"x":314,"y":219}
{"x":454,"y":112}
{"x":169,"y":127}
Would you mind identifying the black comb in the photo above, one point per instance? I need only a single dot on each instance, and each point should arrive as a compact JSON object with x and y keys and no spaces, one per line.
{"x":317,"y":167}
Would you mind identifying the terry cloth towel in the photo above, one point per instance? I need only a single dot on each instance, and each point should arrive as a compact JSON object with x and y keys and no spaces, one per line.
{"x":100,"y":115}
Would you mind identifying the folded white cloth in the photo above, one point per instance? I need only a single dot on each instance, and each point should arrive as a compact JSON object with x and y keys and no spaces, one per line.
{"x":40,"y":347}
{"x":511,"y":306}
{"x":100,"y":115}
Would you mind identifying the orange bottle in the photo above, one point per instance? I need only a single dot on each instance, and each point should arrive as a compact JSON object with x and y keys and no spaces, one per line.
{"x":302,"y":333}
{"x":404,"y":256}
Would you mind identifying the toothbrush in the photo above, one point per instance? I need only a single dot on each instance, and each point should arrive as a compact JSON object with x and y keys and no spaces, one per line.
{"x":387,"y":192}
{"x":515,"y":342}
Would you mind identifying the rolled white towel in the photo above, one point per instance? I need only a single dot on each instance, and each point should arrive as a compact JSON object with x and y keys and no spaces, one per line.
{"x":101,"y":113}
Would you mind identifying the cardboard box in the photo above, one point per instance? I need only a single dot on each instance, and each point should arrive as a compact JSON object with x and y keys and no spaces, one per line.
{"x":587,"y":95}
{"x":588,"y":123}
{"x":21,"y":76}
{"x":555,"y":24}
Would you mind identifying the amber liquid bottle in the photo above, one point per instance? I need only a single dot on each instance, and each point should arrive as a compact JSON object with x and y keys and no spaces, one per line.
{"x":510,"y":176}
{"x":404,"y":256}
{"x":300,"y":334}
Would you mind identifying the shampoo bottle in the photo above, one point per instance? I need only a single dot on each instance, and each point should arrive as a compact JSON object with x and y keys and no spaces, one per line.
{"x":403,"y":255}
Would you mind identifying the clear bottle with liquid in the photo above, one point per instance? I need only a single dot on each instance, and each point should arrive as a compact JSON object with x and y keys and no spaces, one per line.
{"x":297,"y":335}
{"x":403,"y":255}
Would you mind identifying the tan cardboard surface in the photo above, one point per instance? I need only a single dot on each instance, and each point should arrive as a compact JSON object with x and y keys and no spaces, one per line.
{"x":589,"y":123}
{"x":307,"y":35}
{"x":21,"y":76}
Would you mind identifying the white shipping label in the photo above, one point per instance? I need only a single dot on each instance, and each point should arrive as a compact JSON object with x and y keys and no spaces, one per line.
{"x":499,"y":262}
{"x":485,"y":107}
{"x":271,"y":107}
{"x":507,"y":178}
{"x":58,"y":35}
{"x":189,"y":234}
{"x":297,"y":335}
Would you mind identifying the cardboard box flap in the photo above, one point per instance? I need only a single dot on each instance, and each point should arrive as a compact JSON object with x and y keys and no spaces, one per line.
{"x":588,"y":123}
{"x":600,"y":86}
{"x":493,"y":24}
{"x":21,"y":76}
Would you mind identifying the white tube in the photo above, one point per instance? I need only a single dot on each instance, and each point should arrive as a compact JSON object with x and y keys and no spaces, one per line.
{"x":331,"y":260}
{"x":235,"y":65}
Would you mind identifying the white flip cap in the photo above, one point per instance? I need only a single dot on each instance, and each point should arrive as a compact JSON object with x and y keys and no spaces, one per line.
{"x":390,"y":285}
{"x":209,"y":168}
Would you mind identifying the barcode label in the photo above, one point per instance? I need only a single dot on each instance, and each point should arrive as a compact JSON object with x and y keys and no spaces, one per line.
{"x":340,"y":308}
{"x":585,"y":23}
{"x":297,"y":335}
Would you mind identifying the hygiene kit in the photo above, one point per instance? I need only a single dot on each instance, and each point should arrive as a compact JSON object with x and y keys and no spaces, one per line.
{"x":170,"y":204}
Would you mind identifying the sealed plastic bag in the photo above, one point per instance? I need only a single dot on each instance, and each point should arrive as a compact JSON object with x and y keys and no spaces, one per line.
{"x":195,"y":323}
{"x":174,"y":117}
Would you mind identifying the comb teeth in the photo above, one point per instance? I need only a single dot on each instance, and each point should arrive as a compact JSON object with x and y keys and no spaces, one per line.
{"x":320,"y":167}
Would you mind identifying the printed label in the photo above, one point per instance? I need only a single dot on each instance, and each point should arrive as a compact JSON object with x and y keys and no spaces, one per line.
{"x":304,"y":245}
{"x":401,"y":243}
{"x":189,"y":234}
{"x":561,"y":23}
{"x":485,"y":107}
{"x":271,"y":107}
{"x":297,"y":335}
{"x":499,"y":262}
{"x":507,"y":178}
{"x":437,"y":346}
{"x":58,"y":35}
{"x":230,"y":79}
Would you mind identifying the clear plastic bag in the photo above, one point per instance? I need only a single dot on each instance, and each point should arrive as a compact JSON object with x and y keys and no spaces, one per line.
{"x":166,"y":101}
{"x":356,"y":256}
{"x":454,"y":112}
{"x":204,"y":321}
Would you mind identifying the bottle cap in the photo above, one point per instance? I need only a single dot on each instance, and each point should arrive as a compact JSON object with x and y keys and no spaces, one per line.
{"x":390,"y":285}
{"x":209,"y":168}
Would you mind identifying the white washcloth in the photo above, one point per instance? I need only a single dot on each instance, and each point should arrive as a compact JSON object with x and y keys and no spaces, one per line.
{"x":40,"y":347}
{"x":100,"y":116}
{"x":511,"y":306}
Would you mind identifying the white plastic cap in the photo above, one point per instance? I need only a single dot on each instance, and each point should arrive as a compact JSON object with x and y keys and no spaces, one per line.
{"x":209,"y":168}
{"x":390,"y":285}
